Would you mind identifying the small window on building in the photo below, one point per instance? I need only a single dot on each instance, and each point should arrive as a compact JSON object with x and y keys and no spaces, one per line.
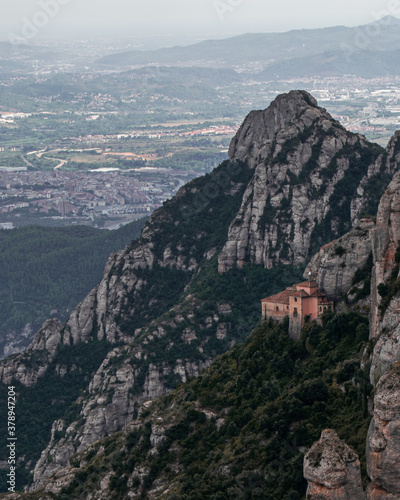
{"x":287,"y":307}
{"x":277,"y":309}
{"x":295,"y":311}
{"x":320,"y":308}
{"x":295,"y":299}
{"x":325,"y":308}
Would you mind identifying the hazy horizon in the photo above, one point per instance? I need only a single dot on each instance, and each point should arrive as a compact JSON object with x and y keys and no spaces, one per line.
{"x":188,"y":20}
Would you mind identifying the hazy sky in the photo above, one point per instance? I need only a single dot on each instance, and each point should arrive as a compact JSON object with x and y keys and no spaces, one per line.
{"x":43,"y":18}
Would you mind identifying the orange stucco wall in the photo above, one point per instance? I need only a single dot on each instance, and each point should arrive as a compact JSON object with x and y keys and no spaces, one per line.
{"x":274,"y":311}
{"x":310,"y":307}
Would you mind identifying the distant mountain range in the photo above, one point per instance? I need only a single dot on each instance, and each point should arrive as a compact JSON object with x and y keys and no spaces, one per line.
{"x":363,"y":63}
{"x":19,"y":56}
{"x":368,"y":51}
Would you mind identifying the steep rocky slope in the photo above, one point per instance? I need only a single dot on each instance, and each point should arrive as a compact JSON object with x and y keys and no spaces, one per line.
{"x":370,"y":246}
{"x":161,"y":313}
{"x":383,"y":239}
{"x":338,"y":266}
{"x":383,"y":447}
{"x":241,"y":428}
{"x":310,"y":183}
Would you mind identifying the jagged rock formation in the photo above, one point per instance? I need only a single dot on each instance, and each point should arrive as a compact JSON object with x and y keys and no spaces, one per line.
{"x":333,"y":470}
{"x":44,"y":345}
{"x":379,"y":175}
{"x":108,"y":406}
{"x":383,"y":451}
{"x":125,"y":380}
{"x":384,"y":317}
{"x":293,"y":170}
{"x":386,"y":352}
{"x":311,"y":180}
{"x":383,"y":445}
{"x":385,"y":243}
{"x":335,"y":265}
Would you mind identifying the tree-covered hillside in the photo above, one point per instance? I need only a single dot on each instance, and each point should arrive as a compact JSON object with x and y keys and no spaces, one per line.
{"x":47,"y":271}
{"x":241,"y":428}
{"x":185,"y":292}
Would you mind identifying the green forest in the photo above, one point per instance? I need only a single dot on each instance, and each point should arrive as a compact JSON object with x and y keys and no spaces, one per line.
{"x":240,"y":429}
{"x":50,"y":270}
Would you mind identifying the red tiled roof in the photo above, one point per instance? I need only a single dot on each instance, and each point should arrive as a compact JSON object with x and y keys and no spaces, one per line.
{"x":280,"y":298}
{"x":283,"y":297}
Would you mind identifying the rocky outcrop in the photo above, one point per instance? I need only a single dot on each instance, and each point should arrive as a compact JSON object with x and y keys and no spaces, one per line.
{"x":256,"y":138}
{"x":386,"y":352}
{"x":378,"y":176}
{"x":113,"y":399}
{"x":332,"y":470}
{"x":125,"y":380}
{"x":383,"y":444}
{"x":43,"y":347}
{"x":385,"y":242}
{"x":16,"y":341}
{"x":383,"y":239}
{"x":309,"y":184}
{"x":335,"y":266}
{"x":385,"y":299}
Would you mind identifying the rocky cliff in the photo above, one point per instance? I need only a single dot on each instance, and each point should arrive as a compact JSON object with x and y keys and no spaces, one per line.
{"x":383,"y":446}
{"x":383,"y":452}
{"x":371,"y":244}
{"x":240,"y":429}
{"x":338,"y":266}
{"x":386,"y":239}
{"x":332,"y":470}
{"x":162,"y":312}
{"x":310,"y":182}
{"x":383,"y":240}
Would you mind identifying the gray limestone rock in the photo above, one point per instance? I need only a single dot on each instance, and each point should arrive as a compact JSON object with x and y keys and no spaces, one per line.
{"x":385,"y":241}
{"x":332,"y":470}
{"x":383,"y":443}
{"x":336,"y":264}
{"x":301,"y":161}
{"x":44,"y":345}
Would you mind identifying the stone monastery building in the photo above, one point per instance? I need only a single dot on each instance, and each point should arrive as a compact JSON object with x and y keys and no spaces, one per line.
{"x":302,"y":303}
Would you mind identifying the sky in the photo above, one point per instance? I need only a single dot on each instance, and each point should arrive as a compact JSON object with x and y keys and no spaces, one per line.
{"x":93,"y":18}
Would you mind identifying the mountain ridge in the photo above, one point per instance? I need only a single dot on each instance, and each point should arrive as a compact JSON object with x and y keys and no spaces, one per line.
{"x":272,"y":48}
{"x":162,"y":311}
